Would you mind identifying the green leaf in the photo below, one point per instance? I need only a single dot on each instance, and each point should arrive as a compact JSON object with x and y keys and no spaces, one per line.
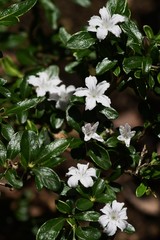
{"x":7,"y":131}
{"x":3,"y":153}
{"x":80,"y":40}
{"x":24,"y":105}
{"x":134,"y":35}
{"x":73,"y":116}
{"x":83,"y":3}
{"x":13,"y":179}
{"x":51,"y":151}
{"x":112,"y":141}
{"x":46,"y":177}
{"x":63,"y":207}
{"x":100,"y":156}
{"x":13,"y":147}
{"x":64,"y":35}
{"x":10,"y":67}
{"x":129,"y":229}
{"x":91,"y":216}
{"x":148,"y":31}
{"x":137,"y":62}
{"x":5,"y":92}
{"x":110,"y":113}
{"x":50,"y":229}
{"x":84,"y":204}
{"x":105,"y":65}
{"x":98,"y":187}
{"x":16,"y":10}
{"x":29,"y":147}
{"x":141,"y":190}
{"x":118,"y":7}
{"x":88,"y":233}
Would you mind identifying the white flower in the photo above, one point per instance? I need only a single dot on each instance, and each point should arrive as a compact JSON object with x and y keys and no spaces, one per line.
{"x":126,"y":134}
{"x":62,"y":95}
{"x":94,"y":93}
{"x":90,"y":132}
{"x":44,"y":81}
{"x":83,"y":174}
{"x":114,"y":217}
{"x":106,"y":23}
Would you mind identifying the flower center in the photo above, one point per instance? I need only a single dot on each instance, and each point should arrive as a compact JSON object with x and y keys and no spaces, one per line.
{"x":114,"y":215}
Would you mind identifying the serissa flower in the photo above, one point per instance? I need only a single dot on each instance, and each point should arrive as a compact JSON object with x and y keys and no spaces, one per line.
{"x":94,"y":93}
{"x":126,"y":134}
{"x":114,"y":217}
{"x":89,"y":131}
{"x":61,"y":95}
{"x":82,"y":174}
{"x":44,"y":81}
{"x":105,"y":23}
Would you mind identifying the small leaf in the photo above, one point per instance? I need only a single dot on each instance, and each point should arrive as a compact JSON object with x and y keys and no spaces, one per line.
{"x":129,"y":229}
{"x":13,"y":179}
{"x":110,"y":113}
{"x":141,"y":190}
{"x":84,"y":204}
{"x":13,"y":147}
{"x":7,"y":131}
{"x":88,"y":233}
{"x":63,"y":207}
{"x":100,"y":156}
{"x":10,"y":67}
{"x":91,"y":216}
{"x":46,"y":177}
{"x":80,"y":40}
{"x":50,"y":229}
{"x":64,"y":35}
{"x":148,"y":31}
{"x":105,"y":65}
{"x":3,"y":153}
{"x":98,"y":187}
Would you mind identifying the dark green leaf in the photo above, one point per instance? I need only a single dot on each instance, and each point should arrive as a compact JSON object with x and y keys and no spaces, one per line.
{"x":129,"y":229}
{"x":112,"y":141}
{"x":46,"y":177}
{"x":100,"y":156}
{"x":10,"y":67}
{"x":98,"y":187}
{"x":24,"y":105}
{"x":56,"y":121}
{"x":64,"y":35}
{"x":5,"y":92}
{"x":118,"y":7}
{"x":88,"y":233}
{"x":80,"y":40}
{"x":50,"y":229}
{"x":91,"y":216}
{"x":63,"y":207}
{"x":13,"y":179}
{"x":110,"y":113}
{"x":84,"y":204}
{"x":3,"y":153}
{"x":73,"y":116}
{"x":7,"y":131}
{"x":14,"y":11}
{"x":52,"y":150}
{"x":105,"y":65}
{"x":29,"y":147}
{"x":13,"y":148}
{"x":148,"y":31}
{"x":83,"y":3}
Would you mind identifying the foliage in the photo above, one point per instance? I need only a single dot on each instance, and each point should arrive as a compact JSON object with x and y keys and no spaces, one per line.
{"x":29,"y":147}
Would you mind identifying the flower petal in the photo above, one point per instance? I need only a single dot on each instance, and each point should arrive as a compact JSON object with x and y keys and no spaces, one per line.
{"x":116,"y":18}
{"x":91,"y":82}
{"x":90,"y":103}
{"x":104,"y":100}
{"x":110,"y":229}
{"x":105,"y":14}
{"x":102,"y":32}
{"x":81,"y":92}
{"x":116,"y":30}
{"x":73,"y":181}
{"x":87,"y":181}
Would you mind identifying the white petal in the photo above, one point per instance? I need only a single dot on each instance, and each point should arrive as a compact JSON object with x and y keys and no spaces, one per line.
{"x":103,"y":220}
{"x":102,"y":33}
{"x":106,"y":209}
{"x":104,"y":100}
{"x":94,"y":21}
{"x":95,"y":126}
{"x":102,"y":87}
{"x":105,"y":14}
{"x":73,"y":181}
{"x":81,"y":92}
{"x":111,"y":228}
{"x":116,"y":18}
{"x":70,"y":89}
{"x":117,"y":206}
{"x":91,"y":172}
{"x":116,"y":30}
{"x":90,"y":103}
{"x":97,"y":137}
{"x":82,"y":167}
{"x":91,"y":82}
{"x":40,"y":92}
{"x":121,"y":225}
{"x":87,"y":181}
{"x":53,"y":96}
{"x":72,"y":171}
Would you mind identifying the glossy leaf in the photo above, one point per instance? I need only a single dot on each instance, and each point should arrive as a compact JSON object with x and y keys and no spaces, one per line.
{"x":7,"y":131}
{"x":80,"y":40}
{"x":50,"y":229}
{"x":13,"y":179}
{"x":84,"y":204}
{"x":88,"y":233}
{"x":110,"y":113}
{"x":141,"y":190}
{"x":3,"y":153}
{"x":105,"y":65}
{"x":100,"y":156}
{"x":63,"y":207}
{"x":91,"y":216}
{"x":13,"y":147}
{"x":46,"y":177}
{"x":120,"y":7}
